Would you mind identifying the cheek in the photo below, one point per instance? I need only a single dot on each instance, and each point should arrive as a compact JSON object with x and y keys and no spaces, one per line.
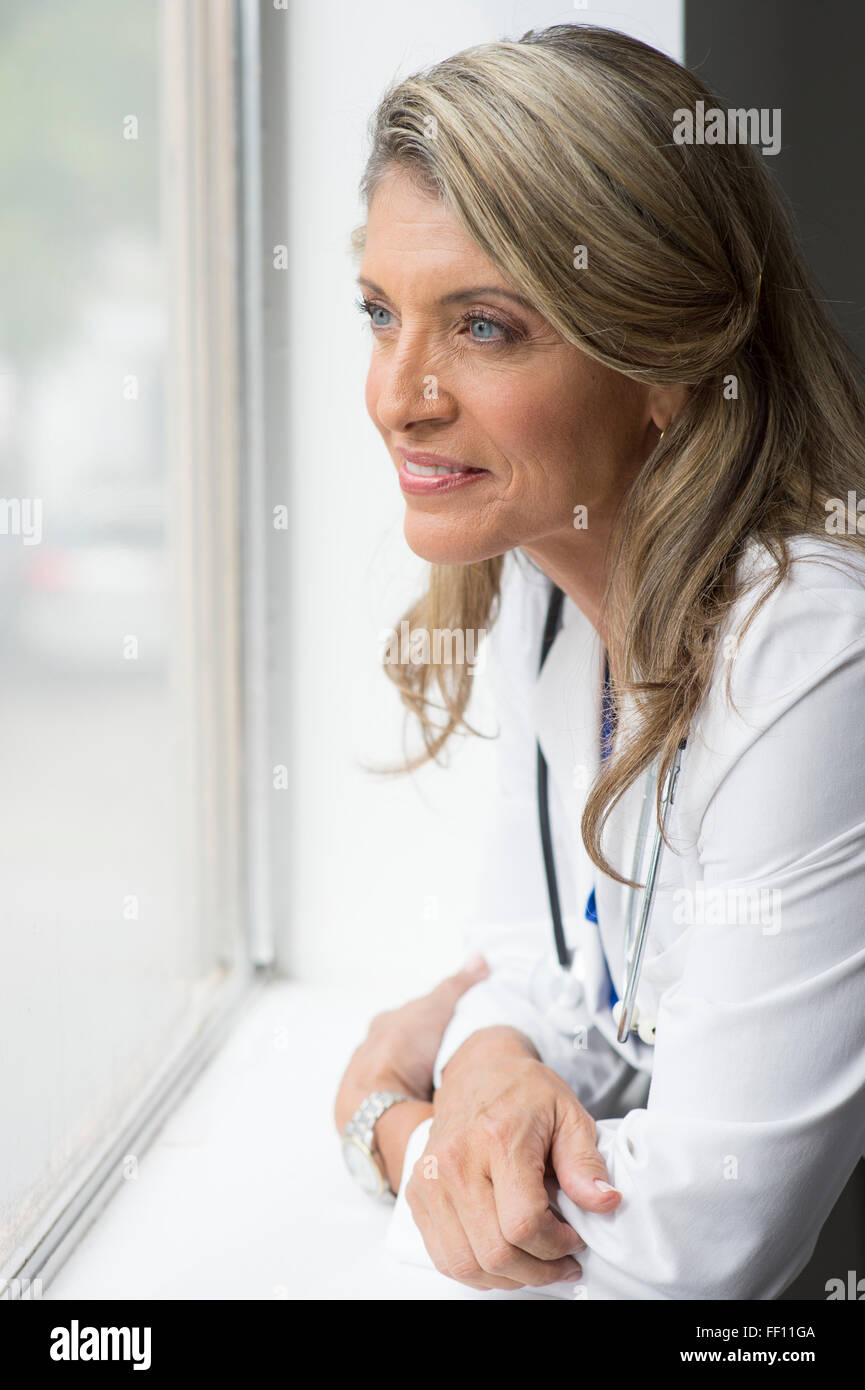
{"x":370,"y":394}
{"x":515,"y":412}
{"x":535,"y":424}
{"x":566,"y":424}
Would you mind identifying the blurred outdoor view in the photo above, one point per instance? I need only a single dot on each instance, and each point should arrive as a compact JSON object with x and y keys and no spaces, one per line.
{"x":94,"y":952}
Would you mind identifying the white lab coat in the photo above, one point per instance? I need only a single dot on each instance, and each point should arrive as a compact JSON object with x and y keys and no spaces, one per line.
{"x":733,"y":1135}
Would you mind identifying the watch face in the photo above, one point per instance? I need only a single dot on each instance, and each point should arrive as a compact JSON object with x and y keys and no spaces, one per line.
{"x":363,"y":1167}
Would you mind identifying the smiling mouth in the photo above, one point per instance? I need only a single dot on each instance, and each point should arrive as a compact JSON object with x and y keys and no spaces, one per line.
{"x":423,"y":470}
{"x":424,"y":475}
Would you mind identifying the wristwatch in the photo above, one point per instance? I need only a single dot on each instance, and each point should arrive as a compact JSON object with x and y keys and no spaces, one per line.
{"x":358,"y":1143}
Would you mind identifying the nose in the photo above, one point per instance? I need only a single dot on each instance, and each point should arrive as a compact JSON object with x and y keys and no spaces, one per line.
{"x":404,"y":390}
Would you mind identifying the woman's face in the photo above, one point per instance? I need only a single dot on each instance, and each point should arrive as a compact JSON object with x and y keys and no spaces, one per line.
{"x":466,"y":375}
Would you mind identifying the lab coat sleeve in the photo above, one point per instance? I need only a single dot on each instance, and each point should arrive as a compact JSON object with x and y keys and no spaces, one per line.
{"x":756,"y":1114}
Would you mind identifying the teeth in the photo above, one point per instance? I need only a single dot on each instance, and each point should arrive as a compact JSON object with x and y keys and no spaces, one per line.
{"x":421,"y":470}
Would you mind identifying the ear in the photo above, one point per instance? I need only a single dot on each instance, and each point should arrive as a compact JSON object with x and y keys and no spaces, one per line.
{"x":665,"y":403}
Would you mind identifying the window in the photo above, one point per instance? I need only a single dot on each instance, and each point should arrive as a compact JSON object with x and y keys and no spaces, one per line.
{"x":121,"y":709}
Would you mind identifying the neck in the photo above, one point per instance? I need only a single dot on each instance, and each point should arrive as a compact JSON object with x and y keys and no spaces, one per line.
{"x":577,"y":563}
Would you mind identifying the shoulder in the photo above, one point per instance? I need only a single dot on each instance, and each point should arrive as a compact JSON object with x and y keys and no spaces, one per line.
{"x":829,"y":569}
{"x":789,"y":670}
{"x":783,"y":636}
{"x":791,"y":651}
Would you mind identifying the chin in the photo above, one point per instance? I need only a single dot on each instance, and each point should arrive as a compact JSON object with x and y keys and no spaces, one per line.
{"x":440,"y":543}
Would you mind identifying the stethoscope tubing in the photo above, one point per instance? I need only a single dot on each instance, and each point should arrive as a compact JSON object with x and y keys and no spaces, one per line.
{"x":635,"y":950}
{"x":551,"y":627}
{"x":634,"y":958}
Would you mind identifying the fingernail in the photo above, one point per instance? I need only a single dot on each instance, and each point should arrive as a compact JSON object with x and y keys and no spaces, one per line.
{"x":604,"y":1186}
{"x":475,"y":964}
{"x":574,"y":1275}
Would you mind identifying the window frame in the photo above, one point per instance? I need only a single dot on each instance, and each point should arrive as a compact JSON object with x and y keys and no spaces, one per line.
{"x":209,"y":64}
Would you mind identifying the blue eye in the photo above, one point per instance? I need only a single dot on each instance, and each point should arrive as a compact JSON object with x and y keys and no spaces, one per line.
{"x":478,"y":325}
{"x":378,"y":316}
{"x":488,"y":330}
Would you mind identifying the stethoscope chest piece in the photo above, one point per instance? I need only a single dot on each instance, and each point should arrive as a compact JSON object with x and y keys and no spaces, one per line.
{"x":559,"y":994}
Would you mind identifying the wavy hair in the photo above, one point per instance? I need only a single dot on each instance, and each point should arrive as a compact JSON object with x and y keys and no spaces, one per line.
{"x":694,"y":277}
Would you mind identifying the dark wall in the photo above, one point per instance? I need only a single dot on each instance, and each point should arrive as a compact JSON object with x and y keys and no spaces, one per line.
{"x":808,"y":60}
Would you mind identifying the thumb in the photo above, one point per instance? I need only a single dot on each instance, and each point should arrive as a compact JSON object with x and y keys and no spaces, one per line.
{"x":451,"y":989}
{"x":580,"y":1169}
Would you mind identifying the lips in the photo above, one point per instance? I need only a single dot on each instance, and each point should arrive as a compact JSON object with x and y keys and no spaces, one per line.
{"x":425,"y":473}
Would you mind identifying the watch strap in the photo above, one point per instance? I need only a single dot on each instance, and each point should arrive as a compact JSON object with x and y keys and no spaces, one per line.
{"x":362,"y":1123}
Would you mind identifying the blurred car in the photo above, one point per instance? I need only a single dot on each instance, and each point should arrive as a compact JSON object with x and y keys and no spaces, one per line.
{"x":91,"y":585}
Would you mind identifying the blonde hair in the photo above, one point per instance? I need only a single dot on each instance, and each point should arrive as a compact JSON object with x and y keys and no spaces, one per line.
{"x":693,"y":277}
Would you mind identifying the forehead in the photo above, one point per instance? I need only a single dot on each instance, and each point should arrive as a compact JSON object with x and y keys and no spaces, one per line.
{"x":412,"y":231}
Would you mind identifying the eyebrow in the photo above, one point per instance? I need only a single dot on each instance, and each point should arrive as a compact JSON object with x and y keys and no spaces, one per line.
{"x":458,"y":296}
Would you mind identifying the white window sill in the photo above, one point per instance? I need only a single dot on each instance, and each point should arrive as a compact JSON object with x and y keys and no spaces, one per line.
{"x":243,"y":1193}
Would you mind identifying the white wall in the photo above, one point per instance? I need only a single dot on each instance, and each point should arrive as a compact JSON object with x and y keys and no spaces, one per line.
{"x":369,"y":874}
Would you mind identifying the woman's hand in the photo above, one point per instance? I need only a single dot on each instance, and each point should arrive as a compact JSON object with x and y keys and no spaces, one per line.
{"x":506,"y":1129}
{"x":398,"y":1054}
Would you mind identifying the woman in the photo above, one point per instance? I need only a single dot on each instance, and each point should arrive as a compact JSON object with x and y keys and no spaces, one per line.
{"x":598,"y":360}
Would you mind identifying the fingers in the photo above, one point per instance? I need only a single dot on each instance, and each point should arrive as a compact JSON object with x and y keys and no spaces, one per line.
{"x":449,"y":1247}
{"x":445,"y":995}
{"x":451,"y":989}
{"x":505,"y":1127}
{"x":457,"y":1216}
{"x":498,"y":1256}
{"x":580,"y":1169}
{"x":525,"y":1217}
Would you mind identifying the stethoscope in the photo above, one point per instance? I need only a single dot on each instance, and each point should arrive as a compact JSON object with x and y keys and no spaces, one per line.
{"x":635,"y":938}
